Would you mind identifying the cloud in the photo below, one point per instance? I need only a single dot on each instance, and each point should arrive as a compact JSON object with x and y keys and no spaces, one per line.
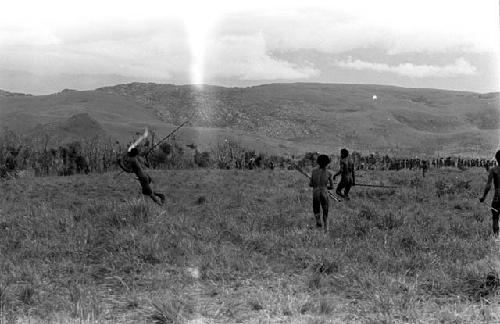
{"x":155,"y":50}
{"x":247,"y":58}
{"x":249,"y":40}
{"x":395,"y":26}
{"x":459,"y":67}
{"x":26,"y":35}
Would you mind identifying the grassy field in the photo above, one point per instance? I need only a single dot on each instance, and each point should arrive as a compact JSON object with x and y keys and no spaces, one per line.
{"x":240,"y":247}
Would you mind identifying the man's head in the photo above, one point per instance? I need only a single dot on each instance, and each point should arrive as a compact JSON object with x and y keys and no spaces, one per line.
{"x":497,"y":157}
{"x":133,"y":152}
{"x":344,"y":153}
{"x":323,"y":160}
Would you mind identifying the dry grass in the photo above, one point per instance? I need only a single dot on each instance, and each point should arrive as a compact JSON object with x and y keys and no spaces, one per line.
{"x":239,"y":246}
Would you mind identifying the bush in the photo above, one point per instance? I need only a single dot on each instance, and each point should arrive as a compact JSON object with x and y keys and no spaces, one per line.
{"x":202,"y":159}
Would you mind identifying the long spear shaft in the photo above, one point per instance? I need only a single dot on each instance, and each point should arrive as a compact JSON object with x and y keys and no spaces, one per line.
{"x":484,"y":203}
{"x":309,"y":177}
{"x":302,"y":171}
{"x":152,"y":147}
{"x":166,"y":137}
{"x":375,"y":186}
{"x":357,"y":184}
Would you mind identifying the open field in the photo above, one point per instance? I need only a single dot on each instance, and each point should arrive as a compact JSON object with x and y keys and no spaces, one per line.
{"x":239,"y":247}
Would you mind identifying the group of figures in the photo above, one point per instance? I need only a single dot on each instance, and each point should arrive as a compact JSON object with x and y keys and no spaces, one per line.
{"x":322,"y":181}
{"x":376,"y":162}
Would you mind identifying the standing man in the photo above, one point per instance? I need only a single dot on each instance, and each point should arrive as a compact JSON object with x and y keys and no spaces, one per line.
{"x":494,"y":176}
{"x":346,"y":172}
{"x":321,"y":181}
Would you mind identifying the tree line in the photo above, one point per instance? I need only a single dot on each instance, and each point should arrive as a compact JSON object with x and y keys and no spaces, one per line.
{"x":42,"y":155}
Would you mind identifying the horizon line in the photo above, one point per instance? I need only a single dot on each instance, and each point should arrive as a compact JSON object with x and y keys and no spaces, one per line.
{"x":202,"y":85}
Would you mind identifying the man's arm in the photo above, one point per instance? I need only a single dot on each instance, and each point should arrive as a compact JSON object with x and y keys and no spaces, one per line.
{"x":330,"y":181}
{"x":488,"y":185}
{"x":122,"y":166}
{"x":340,"y":170}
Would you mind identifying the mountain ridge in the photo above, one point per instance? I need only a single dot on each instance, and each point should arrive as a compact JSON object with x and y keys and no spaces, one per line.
{"x":293,"y":116}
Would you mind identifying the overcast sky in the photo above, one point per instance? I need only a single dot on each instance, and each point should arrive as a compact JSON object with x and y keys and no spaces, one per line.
{"x":46,"y":46}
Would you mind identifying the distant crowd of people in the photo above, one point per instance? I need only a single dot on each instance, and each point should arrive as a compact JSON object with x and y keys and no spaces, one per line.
{"x":385,"y":162}
{"x":377,"y":162}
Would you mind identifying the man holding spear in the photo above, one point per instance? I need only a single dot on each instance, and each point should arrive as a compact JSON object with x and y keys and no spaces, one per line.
{"x":346,"y":172}
{"x":494,"y":176}
{"x":321,"y":181}
{"x":132,"y":164}
{"x":151,"y":149}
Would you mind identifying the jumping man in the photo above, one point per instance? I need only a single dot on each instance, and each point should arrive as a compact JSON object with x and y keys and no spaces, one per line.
{"x":133,"y":164}
{"x":346,"y":172}
{"x":321,"y":181}
{"x":494,"y":176}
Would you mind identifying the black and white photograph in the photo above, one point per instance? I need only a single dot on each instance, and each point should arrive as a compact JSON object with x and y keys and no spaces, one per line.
{"x":254,"y":162}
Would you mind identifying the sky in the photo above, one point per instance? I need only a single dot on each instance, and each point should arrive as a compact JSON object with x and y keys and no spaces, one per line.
{"x":47,"y":46}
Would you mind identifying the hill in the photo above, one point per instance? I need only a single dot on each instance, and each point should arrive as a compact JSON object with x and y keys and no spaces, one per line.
{"x":117,"y":115}
{"x":4,"y":94}
{"x":294,"y":117}
{"x":79,"y":126}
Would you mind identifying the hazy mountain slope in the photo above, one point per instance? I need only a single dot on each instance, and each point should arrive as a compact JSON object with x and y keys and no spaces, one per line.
{"x":333,"y":115}
{"x":79,"y":126}
{"x":4,"y":94}
{"x":116,"y":114}
{"x":285,"y":117}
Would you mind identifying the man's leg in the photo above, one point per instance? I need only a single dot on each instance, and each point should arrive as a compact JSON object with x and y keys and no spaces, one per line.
{"x":316,"y":208}
{"x":161,"y":196}
{"x":347,"y":188}
{"x":340,"y":186}
{"x":495,"y":217}
{"x":147,"y":191}
{"x":156,"y":199}
{"x":324,"y":205}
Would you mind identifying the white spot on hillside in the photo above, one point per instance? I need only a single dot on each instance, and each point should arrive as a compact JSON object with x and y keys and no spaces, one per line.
{"x":193,"y":272}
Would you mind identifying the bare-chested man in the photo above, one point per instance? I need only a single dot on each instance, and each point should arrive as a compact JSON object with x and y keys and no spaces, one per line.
{"x":494,"y":176}
{"x":133,"y":165}
{"x":346,"y":172}
{"x":321,"y":181}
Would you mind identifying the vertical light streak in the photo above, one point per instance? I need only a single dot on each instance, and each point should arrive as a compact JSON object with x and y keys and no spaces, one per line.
{"x":199,"y":19}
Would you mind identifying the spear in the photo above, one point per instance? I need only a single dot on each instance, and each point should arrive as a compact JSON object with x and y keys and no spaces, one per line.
{"x":166,"y":137}
{"x":374,"y":186}
{"x":486,"y":204}
{"x":330,"y":194}
{"x":357,"y":184}
{"x":155,"y":145}
{"x":482,"y":202}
